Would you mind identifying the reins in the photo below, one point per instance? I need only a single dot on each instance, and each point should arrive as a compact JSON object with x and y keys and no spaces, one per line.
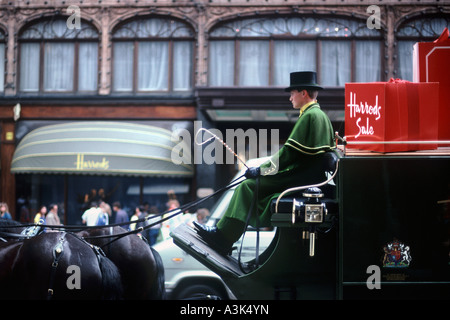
{"x":170,"y":214}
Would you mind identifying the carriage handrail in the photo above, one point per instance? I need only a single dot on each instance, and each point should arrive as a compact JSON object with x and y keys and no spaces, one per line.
{"x":346,"y":142}
{"x":306,"y":187}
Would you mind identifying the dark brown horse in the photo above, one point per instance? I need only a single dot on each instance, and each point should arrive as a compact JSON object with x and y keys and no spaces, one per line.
{"x":140,"y":266}
{"x":57,"y":265}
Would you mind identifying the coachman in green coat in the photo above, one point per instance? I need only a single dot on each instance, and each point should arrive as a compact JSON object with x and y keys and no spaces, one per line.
{"x":298,"y":163}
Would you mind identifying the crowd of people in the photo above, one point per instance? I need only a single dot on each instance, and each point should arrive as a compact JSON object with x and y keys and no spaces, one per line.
{"x":100,"y":213}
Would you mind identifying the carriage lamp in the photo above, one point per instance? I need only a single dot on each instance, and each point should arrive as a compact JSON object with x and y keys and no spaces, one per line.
{"x":311,"y":212}
{"x":314,"y":213}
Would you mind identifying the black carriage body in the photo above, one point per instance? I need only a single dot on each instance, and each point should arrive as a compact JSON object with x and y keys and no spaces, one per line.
{"x":394,"y":226}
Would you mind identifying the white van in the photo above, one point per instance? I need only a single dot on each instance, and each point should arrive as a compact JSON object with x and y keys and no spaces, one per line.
{"x":185,"y":277}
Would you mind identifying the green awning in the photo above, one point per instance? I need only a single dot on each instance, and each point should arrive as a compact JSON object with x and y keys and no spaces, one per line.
{"x":99,"y":147}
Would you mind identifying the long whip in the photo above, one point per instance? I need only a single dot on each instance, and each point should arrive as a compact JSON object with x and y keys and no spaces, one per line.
{"x":221,"y":141}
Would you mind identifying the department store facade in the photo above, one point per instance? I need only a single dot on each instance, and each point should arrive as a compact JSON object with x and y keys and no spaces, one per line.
{"x":118,"y":73}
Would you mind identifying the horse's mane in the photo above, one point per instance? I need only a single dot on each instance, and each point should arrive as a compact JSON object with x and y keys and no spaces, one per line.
{"x":7,"y":225}
{"x":9,"y":222}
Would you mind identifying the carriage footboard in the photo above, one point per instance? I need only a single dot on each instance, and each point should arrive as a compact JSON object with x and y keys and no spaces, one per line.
{"x":187,"y":239}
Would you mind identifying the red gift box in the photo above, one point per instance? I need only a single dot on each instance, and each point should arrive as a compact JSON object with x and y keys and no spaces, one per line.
{"x":431,"y":64}
{"x":384,"y":112}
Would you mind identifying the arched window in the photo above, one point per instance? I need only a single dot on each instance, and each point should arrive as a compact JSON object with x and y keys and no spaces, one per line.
{"x":153,"y":55}
{"x":263,"y":51}
{"x":2,"y":61}
{"x":56,"y":59}
{"x":421,"y":29}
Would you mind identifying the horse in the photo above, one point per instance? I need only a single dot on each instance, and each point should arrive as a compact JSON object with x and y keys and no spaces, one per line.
{"x":140,"y":266}
{"x":56,"y":265}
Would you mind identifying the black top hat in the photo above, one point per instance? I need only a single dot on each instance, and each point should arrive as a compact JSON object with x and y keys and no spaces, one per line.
{"x":303,"y":80}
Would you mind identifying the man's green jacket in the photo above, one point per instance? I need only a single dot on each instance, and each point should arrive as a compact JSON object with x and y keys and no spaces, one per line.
{"x":298,"y":163}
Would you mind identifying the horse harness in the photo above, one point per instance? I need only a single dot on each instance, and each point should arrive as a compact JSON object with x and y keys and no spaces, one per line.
{"x":58,"y":252}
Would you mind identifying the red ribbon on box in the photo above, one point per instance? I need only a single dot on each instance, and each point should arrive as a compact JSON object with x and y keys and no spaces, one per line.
{"x":443,"y":37}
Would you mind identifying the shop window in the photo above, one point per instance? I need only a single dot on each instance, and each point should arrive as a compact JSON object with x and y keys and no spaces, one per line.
{"x":74,"y":193}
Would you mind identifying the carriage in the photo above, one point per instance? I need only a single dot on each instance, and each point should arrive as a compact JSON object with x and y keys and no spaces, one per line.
{"x":377,"y":229}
